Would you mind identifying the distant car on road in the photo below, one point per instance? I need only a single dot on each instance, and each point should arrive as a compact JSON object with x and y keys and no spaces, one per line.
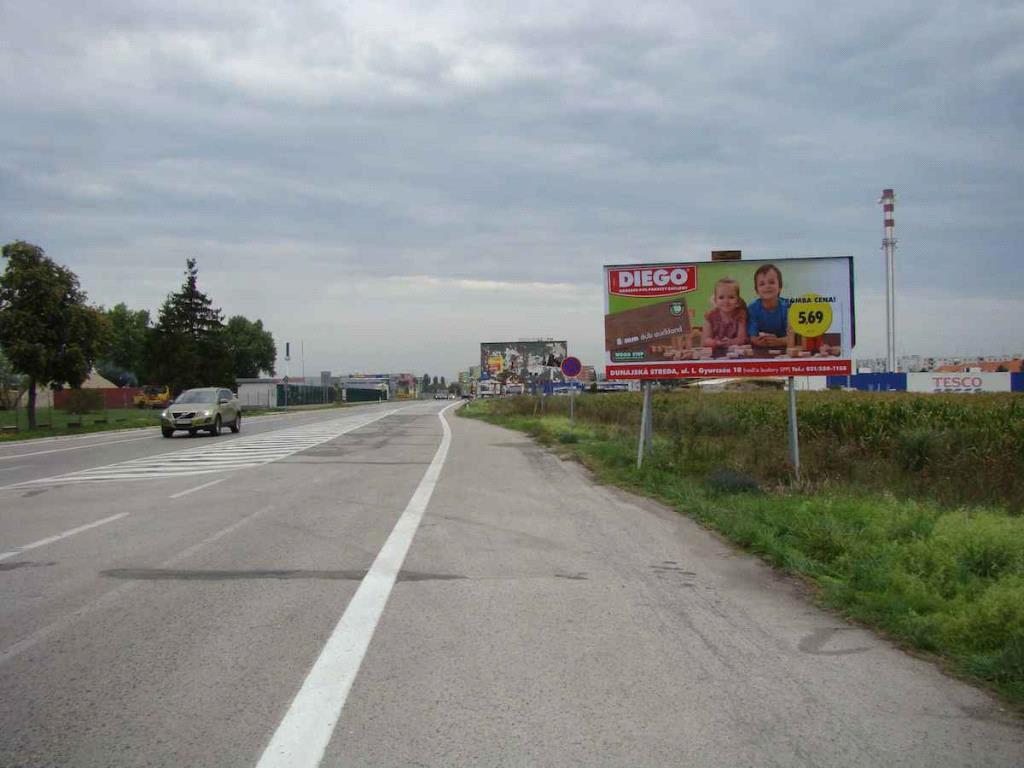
{"x":209,"y":408}
{"x":440,"y":395}
{"x":153,"y":396}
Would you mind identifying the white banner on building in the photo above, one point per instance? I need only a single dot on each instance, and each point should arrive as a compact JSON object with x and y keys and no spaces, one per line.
{"x":934,"y":381}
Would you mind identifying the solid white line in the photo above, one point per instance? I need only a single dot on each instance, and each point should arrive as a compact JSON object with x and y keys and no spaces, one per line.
{"x":302,"y":737}
{"x":11,"y":469}
{"x":197,"y":488}
{"x":76,"y":447}
{"x":60,"y":536}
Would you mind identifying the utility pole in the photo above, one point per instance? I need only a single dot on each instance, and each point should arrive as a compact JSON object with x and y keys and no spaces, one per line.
{"x":287,"y":369}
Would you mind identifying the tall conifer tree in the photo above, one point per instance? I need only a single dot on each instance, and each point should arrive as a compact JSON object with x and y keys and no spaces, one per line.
{"x":188,"y":347}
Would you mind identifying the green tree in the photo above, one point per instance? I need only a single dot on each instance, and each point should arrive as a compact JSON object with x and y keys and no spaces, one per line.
{"x":188,"y":346}
{"x":444,"y":384}
{"x":47,"y":329}
{"x":252,"y":348}
{"x":425,"y":384}
{"x":124,"y":362}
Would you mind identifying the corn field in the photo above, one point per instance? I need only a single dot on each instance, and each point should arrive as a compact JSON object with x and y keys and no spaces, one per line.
{"x":957,"y":449}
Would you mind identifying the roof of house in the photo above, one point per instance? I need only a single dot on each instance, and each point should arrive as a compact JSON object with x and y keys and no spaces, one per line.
{"x":95,"y":381}
{"x":985,"y":366}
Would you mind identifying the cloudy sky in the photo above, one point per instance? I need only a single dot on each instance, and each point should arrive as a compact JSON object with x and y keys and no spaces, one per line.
{"x":392,"y":183}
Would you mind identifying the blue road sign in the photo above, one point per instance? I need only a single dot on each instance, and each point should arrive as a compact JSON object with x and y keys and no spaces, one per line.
{"x":571,"y":367}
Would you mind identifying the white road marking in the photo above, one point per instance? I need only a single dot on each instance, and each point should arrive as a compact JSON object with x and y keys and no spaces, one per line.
{"x":215,"y":457}
{"x":103,"y":600}
{"x":11,"y":469}
{"x":77,"y":447}
{"x":197,"y":488}
{"x":59,"y":536}
{"x":302,"y":737}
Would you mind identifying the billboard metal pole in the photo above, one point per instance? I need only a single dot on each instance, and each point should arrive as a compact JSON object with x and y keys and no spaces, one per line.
{"x":645,"y":416}
{"x":794,"y":445}
{"x":649,"y":444}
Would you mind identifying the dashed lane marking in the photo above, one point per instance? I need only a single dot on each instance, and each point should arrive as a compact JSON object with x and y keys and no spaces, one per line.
{"x":59,"y":536}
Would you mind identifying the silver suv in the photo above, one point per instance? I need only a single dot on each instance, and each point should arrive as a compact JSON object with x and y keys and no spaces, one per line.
{"x":210,"y":408}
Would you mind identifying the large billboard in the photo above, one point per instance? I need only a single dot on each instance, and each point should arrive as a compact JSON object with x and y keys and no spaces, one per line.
{"x":786,"y":317}
{"x":522,"y":362}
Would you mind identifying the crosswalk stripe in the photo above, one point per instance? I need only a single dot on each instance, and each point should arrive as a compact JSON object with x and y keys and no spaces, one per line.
{"x":240,"y":453}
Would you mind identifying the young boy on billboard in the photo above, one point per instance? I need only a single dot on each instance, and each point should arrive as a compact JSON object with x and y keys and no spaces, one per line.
{"x":768,"y":314}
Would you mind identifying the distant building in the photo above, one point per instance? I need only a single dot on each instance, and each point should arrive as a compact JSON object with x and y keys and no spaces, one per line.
{"x":949,"y":364}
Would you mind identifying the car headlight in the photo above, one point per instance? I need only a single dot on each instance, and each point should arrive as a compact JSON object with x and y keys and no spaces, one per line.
{"x":205,"y":414}
{"x":164,"y":415}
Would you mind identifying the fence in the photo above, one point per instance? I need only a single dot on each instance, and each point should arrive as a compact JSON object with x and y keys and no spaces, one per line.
{"x":113,"y":397}
{"x":930,"y":381}
{"x":302,"y":394}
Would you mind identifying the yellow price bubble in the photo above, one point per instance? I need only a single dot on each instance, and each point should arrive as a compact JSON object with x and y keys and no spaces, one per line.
{"x":810,"y":316}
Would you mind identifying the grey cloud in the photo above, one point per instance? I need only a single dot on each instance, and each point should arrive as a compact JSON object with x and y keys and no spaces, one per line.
{"x":527,"y":143}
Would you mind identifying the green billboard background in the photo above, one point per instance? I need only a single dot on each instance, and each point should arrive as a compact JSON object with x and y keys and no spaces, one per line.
{"x":799,"y":276}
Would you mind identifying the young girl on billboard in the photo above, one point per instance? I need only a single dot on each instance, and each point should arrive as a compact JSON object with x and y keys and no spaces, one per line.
{"x":768,"y":314}
{"x":726,"y":325}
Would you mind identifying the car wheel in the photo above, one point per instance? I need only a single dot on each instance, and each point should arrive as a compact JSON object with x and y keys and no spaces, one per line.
{"x":238,"y":424}
{"x":215,"y":429}
{"x":166,"y":432}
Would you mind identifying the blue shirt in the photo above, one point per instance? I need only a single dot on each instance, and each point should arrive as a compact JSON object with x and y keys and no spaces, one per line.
{"x":773,"y":321}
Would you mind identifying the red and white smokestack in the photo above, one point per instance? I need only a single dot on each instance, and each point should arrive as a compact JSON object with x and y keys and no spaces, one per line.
{"x":888,"y":201}
{"x":888,"y":207}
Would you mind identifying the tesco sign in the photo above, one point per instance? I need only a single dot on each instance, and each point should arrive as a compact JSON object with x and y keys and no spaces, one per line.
{"x":934,"y":381}
{"x":663,"y":280}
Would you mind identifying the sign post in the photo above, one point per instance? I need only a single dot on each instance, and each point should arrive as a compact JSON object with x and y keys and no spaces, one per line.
{"x":571,"y":368}
{"x":794,"y":445}
{"x":645,"y":425}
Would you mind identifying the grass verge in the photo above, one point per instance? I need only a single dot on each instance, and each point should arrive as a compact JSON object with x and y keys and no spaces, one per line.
{"x":57,"y":422}
{"x":947,"y":581}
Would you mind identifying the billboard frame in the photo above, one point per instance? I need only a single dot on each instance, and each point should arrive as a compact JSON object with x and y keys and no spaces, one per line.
{"x":710,"y":367}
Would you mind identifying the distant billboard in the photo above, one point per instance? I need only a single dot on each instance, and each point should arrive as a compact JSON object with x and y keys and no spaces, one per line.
{"x":784,"y":317}
{"x":522,"y":361}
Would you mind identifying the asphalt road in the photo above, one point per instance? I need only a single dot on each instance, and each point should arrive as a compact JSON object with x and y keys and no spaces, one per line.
{"x":371,"y":587}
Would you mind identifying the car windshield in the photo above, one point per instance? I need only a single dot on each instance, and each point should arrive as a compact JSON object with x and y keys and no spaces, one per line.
{"x":197,"y":396}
